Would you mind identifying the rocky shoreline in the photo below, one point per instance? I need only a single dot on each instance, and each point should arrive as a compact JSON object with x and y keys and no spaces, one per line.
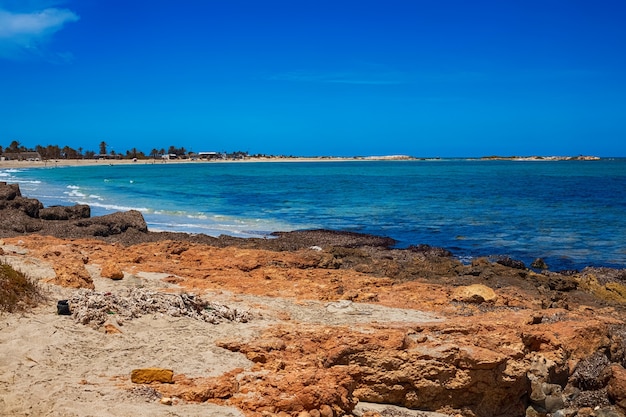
{"x":337,"y":321}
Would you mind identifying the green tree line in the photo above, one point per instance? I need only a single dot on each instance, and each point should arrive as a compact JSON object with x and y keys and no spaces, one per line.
{"x":15,"y":149}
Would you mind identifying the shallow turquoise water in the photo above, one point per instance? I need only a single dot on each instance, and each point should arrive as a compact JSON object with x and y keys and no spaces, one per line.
{"x":570,"y":213}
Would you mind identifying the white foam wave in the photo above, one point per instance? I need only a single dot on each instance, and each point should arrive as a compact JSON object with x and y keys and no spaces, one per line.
{"x":115,"y":207}
{"x":211,"y":230}
{"x":13,"y":179}
{"x":198,"y":216}
{"x":75,"y":193}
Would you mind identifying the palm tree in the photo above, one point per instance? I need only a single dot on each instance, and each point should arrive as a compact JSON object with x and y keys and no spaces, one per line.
{"x":14,"y":146}
{"x":103,"y":148}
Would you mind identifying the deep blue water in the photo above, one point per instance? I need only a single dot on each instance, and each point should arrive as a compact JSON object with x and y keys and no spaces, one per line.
{"x":571,"y":213}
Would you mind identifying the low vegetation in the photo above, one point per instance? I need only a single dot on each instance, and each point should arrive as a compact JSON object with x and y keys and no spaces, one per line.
{"x":17,"y":291}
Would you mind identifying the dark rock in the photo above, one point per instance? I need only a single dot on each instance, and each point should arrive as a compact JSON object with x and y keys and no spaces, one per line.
{"x":430,"y":251}
{"x":539,"y":264}
{"x":79,"y":211}
{"x":606,"y":275}
{"x":19,"y":215}
{"x":592,"y":399}
{"x":589,"y":374}
{"x":509,"y":262}
{"x":18,"y":222}
{"x":9,"y":191}
{"x":617,"y":348}
{"x":474,"y":272}
{"x":29,"y":206}
{"x":325,"y":238}
{"x":558,"y":283}
{"x":112,"y":224}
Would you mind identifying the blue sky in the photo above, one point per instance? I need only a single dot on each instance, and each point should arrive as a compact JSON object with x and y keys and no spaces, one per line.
{"x":317,"y":77}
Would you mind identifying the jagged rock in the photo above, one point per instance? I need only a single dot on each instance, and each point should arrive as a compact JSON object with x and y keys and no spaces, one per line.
{"x":30,"y":206}
{"x":476,"y":293}
{"x":539,"y":263}
{"x":9,"y":191}
{"x":78,"y":211}
{"x":19,"y":222}
{"x":324,"y":238}
{"x":20,"y":215}
{"x":72,"y":274}
{"x":616,"y":388}
{"x":222,"y":387}
{"x":589,"y":373}
{"x":112,"y":270}
{"x":617,"y":348}
{"x":113,"y":224}
{"x":511,"y":263}
{"x":150,"y":375}
{"x":430,"y":250}
{"x":559,"y":283}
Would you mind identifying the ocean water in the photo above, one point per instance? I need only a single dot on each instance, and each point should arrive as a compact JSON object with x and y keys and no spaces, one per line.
{"x":571,"y":213}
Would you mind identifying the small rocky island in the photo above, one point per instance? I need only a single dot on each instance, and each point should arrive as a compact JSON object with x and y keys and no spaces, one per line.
{"x":308,"y":324}
{"x":542,"y":158}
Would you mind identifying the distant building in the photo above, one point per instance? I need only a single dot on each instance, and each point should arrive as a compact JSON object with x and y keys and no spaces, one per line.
{"x":21,"y":156}
{"x":107,"y":156}
{"x":209,"y":155}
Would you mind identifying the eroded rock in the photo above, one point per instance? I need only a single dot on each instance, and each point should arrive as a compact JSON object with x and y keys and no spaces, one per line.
{"x":112,"y":270}
{"x":476,"y":293}
{"x":150,"y":375}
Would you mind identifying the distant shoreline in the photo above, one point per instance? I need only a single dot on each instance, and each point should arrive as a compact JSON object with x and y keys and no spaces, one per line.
{"x":95,"y":162}
{"x":8,"y":164}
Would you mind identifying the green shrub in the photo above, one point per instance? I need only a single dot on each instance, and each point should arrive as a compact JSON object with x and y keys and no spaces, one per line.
{"x":17,"y":291}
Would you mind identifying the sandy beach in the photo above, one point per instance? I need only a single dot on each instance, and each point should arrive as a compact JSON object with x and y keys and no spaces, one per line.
{"x":8,"y":164}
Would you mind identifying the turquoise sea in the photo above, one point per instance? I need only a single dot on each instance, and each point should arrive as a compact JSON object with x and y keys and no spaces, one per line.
{"x":571,"y":213}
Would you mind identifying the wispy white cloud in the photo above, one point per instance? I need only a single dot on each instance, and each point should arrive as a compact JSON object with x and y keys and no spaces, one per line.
{"x":361,"y":78}
{"x":24,"y":33}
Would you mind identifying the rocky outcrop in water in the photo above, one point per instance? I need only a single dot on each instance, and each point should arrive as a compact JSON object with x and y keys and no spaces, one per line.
{"x":20,"y":215}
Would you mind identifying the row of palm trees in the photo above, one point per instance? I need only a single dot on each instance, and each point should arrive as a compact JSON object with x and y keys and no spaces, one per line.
{"x":66,"y":152}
